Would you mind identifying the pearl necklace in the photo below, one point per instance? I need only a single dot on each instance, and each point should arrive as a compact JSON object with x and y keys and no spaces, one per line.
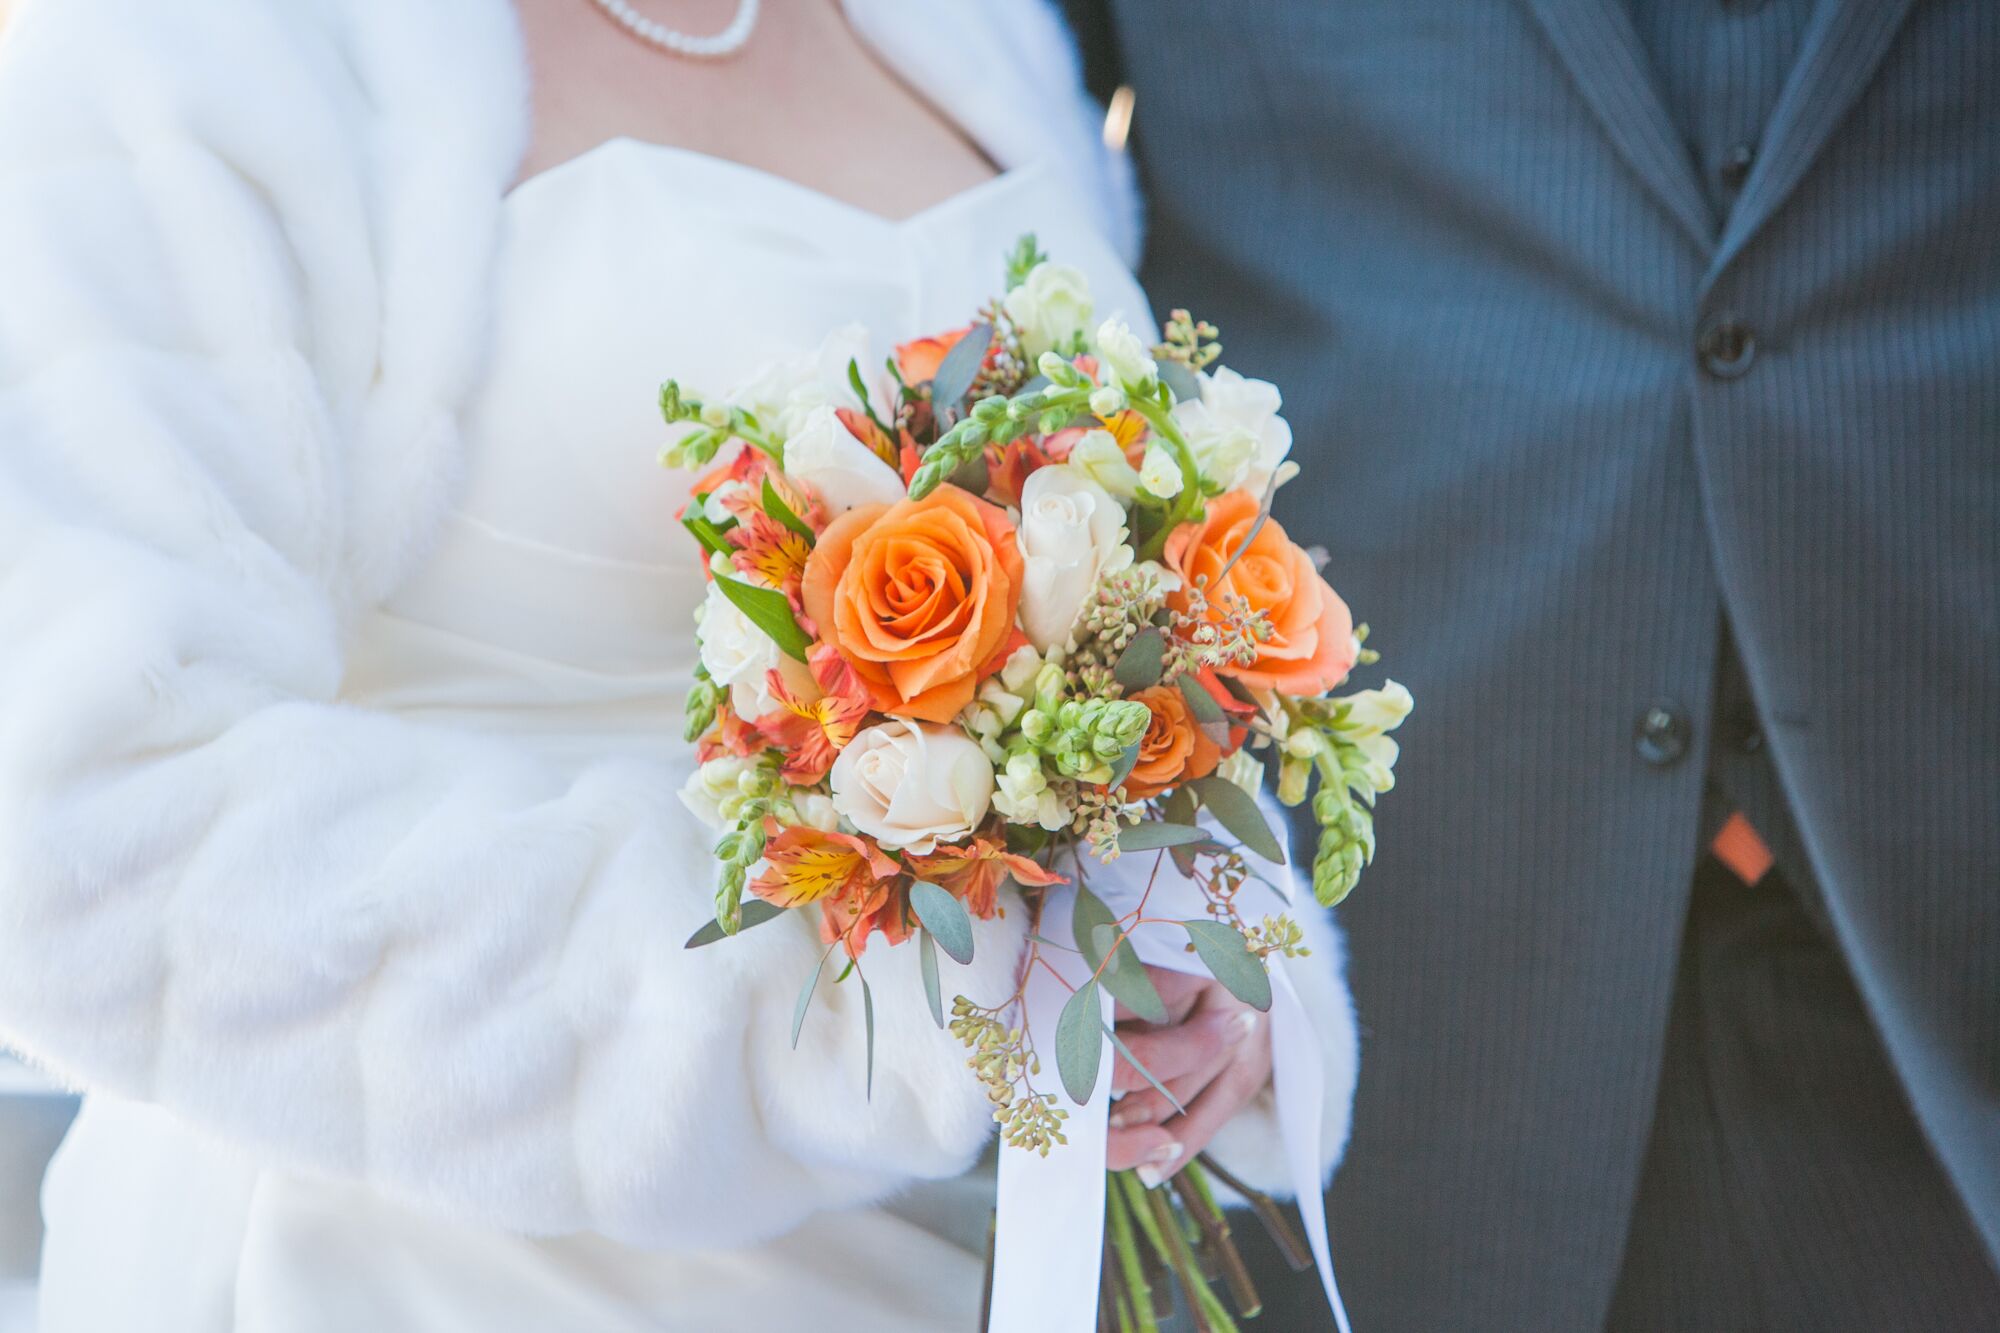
{"x":715,"y":47}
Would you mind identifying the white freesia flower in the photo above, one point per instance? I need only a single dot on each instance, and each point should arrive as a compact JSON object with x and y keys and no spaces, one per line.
{"x":1024,"y":795}
{"x":1122,"y":354}
{"x":1234,"y":429}
{"x":1160,"y":472}
{"x":1072,"y":535}
{"x":738,"y":655}
{"x":1372,"y":712}
{"x":711,"y":792}
{"x":1098,"y":456}
{"x":1048,"y":309}
{"x":907,"y":785}
{"x":840,"y":469}
{"x":783,"y":394}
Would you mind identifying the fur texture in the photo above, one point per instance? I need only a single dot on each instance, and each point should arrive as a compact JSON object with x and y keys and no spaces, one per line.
{"x":243,"y":251}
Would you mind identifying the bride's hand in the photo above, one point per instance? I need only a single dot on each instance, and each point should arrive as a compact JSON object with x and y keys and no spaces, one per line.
{"x":1212,"y":1053}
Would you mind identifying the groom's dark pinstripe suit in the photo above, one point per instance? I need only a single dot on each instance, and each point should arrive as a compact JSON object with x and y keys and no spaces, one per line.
{"x":1603,"y":338}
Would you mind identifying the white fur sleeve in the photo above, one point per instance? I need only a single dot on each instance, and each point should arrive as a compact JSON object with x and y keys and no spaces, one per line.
{"x":396,"y":953}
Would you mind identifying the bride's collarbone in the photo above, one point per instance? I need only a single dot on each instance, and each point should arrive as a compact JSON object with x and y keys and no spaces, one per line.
{"x":805,"y":100}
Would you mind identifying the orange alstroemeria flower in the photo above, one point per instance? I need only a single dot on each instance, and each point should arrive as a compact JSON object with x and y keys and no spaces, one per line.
{"x":918,"y":359}
{"x":974,"y":873}
{"x":807,"y":865}
{"x":1311,"y":648}
{"x":812,"y":733}
{"x":919,"y":598}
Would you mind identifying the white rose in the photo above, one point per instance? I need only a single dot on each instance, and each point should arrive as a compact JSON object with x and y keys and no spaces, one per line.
{"x":1121,"y":353}
{"x":1098,"y":456}
{"x":1237,"y":436}
{"x":1051,"y":307}
{"x":738,"y":655}
{"x":1072,"y":535}
{"x":841,"y":470}
{"x":782,"y":394}
{"x":907,"y":784}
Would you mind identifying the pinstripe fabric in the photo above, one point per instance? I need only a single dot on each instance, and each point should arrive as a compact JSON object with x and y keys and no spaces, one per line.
{"x":1472,"y":245}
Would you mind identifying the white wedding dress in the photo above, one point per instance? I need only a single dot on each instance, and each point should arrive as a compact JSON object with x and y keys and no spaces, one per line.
{"x":558,"y":608}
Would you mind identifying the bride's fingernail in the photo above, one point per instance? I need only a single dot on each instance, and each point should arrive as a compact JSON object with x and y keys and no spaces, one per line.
{"x":1119,"y":1120}
{"x":1246,"y":1023}
{"x":1150,"y":1175}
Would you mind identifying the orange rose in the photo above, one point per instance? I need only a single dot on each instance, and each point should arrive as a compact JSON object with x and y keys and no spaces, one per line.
{"x":1174,"y":748}
{"x":919,"y":597}
{"x":918,"y":359}
{"x":1311,"y":648}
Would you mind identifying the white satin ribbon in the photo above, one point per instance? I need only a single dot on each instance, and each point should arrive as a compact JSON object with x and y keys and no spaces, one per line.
{"x":1049,"y":1237}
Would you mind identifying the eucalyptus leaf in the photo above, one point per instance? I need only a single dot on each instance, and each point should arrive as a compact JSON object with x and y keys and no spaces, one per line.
{"x":1128,"y":759}
{"x":768,"y":611}
{"x":806,"y":997}
{"x":1026,"y":839}
{"x":960,"y":368}
{"x":755,"y":913}
{"x":1207,"y":713}
{"x":1080,"y":1043}
{"x":1153,"y":835}
{"x":1180,"y":807}
{"x":1125,"y":977}
{"x":1140,"y":664}
{"x":974,"y":476}
{"x":1144,"y":1072}
{"x":1237,"y":811}
{"x":1184,"y":382}
{"x":927,"y":961}
{"x":868,"y":1019}
{"x":1104,"y":940}
{"x":944,"y":917}
{"x":775,"y":506}
{"x":1227,"y":956}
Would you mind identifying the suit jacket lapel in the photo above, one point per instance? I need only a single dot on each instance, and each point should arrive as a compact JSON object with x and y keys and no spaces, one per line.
{"x":1842,"y":46}
{"x":1596,"y":40}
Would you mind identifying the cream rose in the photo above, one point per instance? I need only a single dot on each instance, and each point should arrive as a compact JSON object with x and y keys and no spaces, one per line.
{"x":840,"y":469}
{"x":907,"y":785}
{"x":1048,"y":309}
{"x":1072,"y":535}
{"x":1235,"y":431}
{"x":738,"y":655}
{"x":784,"y":393}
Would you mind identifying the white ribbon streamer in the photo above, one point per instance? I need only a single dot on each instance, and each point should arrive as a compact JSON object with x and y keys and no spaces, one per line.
{"x":1049,"y":1237}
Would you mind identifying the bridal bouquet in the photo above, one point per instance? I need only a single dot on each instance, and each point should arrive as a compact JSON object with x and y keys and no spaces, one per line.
{"x":1016,"y":608}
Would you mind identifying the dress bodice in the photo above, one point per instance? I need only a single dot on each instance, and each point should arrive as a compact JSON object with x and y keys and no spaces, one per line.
{"x":559,"y":600}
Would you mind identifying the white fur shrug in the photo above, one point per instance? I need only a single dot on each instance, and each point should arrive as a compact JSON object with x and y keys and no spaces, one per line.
{"x":243,"y":254}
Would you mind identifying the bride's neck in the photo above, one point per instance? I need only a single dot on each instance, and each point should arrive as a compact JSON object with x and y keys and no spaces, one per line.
{"x":806,"y":99}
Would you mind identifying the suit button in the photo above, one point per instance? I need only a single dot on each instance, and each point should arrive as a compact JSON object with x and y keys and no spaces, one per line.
{"x":1735,"y":165}
{"x":1726,"y":348}
{"x":1662,"y":734}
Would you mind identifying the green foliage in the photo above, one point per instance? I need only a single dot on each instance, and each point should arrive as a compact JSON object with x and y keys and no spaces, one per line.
{"x":768,"y":611}
{"x":1227,"y":956}
{"x":945,"y":918}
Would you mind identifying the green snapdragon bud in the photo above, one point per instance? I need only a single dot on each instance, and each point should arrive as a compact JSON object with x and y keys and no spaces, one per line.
{"x":702,"y":702}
